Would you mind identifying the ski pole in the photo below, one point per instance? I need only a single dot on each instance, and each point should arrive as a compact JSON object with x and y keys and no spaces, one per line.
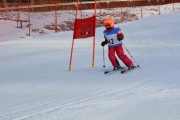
{"x":131,"y":55}
{"x":103,"y":58}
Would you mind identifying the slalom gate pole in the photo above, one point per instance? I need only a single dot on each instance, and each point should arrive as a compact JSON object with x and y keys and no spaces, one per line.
{"x":103,"y":58}
{"x":131,"y":55}
{"x":70,"y":61}
{"x":93,"y":53}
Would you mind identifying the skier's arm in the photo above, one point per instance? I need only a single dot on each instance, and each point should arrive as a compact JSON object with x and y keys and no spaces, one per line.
{"x":104,"y":42}
{"x":120,"y":35}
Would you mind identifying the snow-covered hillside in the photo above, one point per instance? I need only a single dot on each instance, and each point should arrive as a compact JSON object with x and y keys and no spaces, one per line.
{"x":35,"y":83}
{"x":43,"y":23}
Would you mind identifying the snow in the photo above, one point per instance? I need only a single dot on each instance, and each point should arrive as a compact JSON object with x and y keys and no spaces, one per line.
{"x":35,"y":83}
{"x":42,"y":23}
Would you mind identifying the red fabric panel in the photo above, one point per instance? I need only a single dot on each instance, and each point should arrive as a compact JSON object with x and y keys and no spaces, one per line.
{"x":84,"y":28}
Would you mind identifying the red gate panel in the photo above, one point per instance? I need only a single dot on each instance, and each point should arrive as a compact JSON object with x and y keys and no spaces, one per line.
{"x":84,"y":28}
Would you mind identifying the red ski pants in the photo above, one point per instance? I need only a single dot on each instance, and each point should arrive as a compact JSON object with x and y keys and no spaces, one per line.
{"x":120,"y":53}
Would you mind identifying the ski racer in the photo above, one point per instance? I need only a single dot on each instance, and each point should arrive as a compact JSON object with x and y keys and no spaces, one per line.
{"x":113,"y":37}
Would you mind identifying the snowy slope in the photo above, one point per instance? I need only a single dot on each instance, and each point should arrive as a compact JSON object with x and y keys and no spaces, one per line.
{"x":35,"y":83}
{"x":42,"y":23}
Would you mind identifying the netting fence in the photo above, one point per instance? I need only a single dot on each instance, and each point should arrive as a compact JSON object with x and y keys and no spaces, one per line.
{"x":41,"y":18}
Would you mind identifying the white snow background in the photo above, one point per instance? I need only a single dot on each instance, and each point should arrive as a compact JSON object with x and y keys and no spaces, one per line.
{"x":35,"y":83}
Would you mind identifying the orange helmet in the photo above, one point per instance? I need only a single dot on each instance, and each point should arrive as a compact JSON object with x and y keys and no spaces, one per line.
{"x":109,"y":22}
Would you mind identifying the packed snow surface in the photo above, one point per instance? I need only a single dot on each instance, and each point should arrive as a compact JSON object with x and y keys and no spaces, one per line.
{"x":35,"y":83}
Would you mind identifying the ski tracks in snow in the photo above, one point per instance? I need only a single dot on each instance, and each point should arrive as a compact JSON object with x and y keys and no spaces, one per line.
{"x":103,"y":98}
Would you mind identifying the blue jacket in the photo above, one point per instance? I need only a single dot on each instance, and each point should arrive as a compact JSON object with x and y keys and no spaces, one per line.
{"x":111,"y":37}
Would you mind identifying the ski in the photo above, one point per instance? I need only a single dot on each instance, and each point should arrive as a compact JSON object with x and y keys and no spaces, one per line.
{"x":112,"y":71}
{"x":129,"y":69}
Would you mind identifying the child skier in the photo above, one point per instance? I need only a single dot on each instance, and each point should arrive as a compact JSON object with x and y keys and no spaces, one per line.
{"x":113,"y":36}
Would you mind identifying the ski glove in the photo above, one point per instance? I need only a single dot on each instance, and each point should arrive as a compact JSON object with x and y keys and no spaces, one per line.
{"x":104,"y":43}
{"x":120,"y":36}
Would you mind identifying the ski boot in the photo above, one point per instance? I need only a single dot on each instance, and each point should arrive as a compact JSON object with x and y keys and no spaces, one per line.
{"x":117,"y":67}
{"x":131,"y":67}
